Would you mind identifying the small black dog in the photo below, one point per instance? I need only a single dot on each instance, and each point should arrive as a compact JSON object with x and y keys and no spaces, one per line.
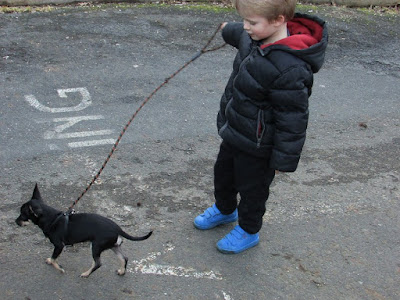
{"x":64,"y":229}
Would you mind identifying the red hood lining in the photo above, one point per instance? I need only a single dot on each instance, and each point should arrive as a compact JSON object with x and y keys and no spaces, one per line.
{"x":303,"y":34}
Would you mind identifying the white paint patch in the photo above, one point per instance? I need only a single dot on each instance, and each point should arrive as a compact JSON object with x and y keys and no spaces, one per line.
{"x":58,"y":132}
{"x":85,"y":101}
{"x":128,"y":208}
{"x":226,"y":296}
{"x":53,"y":147}
{"x":91,"y":143}
{"x":72,"y":135}
{"x":69,"y":122}
{"x":145,"y":267}
{"x":157,"y":269}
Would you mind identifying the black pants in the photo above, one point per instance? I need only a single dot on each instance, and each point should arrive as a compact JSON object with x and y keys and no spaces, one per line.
{"x":236,"y":172}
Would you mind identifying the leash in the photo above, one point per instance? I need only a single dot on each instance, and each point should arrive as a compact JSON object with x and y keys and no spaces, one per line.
{"x":196,"y":56}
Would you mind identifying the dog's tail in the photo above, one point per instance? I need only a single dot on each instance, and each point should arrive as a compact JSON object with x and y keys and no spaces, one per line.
{"x":133,"y":238}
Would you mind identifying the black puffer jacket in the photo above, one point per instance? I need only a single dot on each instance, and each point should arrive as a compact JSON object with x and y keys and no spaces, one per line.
{"x":264,"y":109}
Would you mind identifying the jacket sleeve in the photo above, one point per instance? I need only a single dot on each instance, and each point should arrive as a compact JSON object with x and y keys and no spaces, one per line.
{"x":289,"y":98}
{"x":232,"y":32}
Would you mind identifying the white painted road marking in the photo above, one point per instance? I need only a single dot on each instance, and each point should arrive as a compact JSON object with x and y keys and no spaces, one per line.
{"x":55,"y":135}
{"x":58,"y":131}
{"x":91,"y":143}
{"x":226,"y":296}
{"x":71,"y":121}
{"x":145,"y":267}
{"x":85,"y":102}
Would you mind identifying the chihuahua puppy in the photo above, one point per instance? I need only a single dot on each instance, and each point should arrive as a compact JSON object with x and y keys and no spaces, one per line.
{"x":68,"y":229}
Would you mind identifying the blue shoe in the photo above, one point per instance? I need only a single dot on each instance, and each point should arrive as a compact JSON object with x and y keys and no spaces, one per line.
{"x":237,"y":241}
{"x":212,"y":217}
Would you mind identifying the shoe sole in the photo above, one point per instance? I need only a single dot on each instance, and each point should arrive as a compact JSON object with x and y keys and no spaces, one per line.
{"x":251,"y":245}
{"x":208,"y":227}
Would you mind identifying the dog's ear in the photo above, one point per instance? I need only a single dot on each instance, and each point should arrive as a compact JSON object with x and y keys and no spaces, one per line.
{"x":35,"y":208}
{"x":36,"y":193}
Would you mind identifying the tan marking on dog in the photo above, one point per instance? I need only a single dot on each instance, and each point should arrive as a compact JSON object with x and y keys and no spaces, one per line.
{"x":52,"y":262}
{"x":120,"y":256}
{"x":88,"y":272}
{"x":30,"y":208}
{"x":122,"y":270}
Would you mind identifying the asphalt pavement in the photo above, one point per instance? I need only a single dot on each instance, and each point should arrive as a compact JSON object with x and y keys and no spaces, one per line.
{"x":73,"y":76}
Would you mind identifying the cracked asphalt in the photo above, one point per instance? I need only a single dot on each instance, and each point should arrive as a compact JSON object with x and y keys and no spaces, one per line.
{"x":331,"y":230}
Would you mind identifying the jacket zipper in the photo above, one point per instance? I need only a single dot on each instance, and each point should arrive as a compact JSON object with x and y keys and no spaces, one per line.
{"x":244,"y":61}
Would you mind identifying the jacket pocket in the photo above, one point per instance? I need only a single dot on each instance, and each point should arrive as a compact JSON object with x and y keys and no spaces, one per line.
{"x":260,"y":130}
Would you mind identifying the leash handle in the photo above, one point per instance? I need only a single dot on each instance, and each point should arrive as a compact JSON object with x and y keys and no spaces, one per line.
{"x":196,"y":56}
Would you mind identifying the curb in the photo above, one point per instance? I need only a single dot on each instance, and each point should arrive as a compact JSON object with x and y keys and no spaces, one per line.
{"x":356,"y":3}
{"x":350,"y":3}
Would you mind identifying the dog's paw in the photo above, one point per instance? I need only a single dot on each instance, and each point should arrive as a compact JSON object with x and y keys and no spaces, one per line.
{"x":120,"y":272}
{"x":85,"y":275}
{"x":52,"y":262}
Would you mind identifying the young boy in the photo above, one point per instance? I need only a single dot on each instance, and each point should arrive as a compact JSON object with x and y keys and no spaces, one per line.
{"x":263,"y":112}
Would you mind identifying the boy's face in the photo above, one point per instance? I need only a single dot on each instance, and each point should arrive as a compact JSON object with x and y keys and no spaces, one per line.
{"x":259,"y":28}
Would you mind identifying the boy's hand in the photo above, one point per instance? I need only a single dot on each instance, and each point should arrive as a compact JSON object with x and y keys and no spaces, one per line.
{"x":223,"y":25}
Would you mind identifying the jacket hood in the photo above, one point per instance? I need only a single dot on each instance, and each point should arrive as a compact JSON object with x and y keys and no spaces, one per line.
{"x":308,"y":40}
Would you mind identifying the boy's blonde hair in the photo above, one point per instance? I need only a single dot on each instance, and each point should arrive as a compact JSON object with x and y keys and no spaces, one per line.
{"x":269,"y":9}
